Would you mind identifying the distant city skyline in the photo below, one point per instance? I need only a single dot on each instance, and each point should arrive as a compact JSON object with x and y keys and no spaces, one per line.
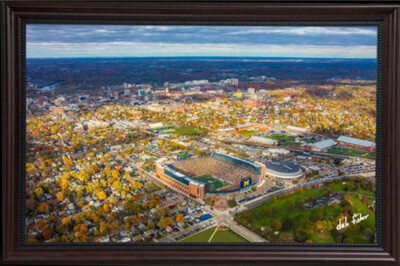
{"x":83,"y":41}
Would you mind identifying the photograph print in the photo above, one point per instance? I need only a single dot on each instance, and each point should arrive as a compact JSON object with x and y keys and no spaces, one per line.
{"x":200,"y":134}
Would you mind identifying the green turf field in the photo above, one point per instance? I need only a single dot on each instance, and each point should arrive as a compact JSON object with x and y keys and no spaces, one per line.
{"x":151,"y":187}
{"x":212,"y":182}
{"x":189,"y":131}
{"x":248,"y":132}
{"x":280,"y":136}
{"x":346,"y":151}
{"x":164,"y":128}
{"x":227,"y":236}
{"x":203,"y":236}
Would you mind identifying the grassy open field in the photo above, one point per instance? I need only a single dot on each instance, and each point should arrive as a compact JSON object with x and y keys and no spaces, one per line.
{"x":212,"y":182}
{"x":164,"y":128}
{"x":340,"y":186}
{"x":189,"y":131}
{"x":220,"y":236}
{"x":248,"y":132}
{"x":151,"y":186}
{"x":346,"y":151}
{"x":285,"y":209}
{"x":203,"y":236}
{"x":227,"y":237}
{"x":280,"y":136}
{"x":260,"y":219}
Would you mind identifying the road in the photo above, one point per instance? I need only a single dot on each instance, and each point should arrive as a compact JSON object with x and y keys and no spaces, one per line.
{"x":189,"y":231}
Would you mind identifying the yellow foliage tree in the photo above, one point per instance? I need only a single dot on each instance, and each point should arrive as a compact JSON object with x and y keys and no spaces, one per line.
{"x":66,"y":221}
{"x":43,"y":208}
{"x":180,"y":218}
{"x":107,"y":208}
{"x":60,"y":196}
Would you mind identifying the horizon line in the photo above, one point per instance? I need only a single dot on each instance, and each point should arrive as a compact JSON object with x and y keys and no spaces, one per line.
{"x":250,"y":57}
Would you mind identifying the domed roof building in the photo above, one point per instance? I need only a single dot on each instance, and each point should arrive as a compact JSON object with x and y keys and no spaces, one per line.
{"x":284,"y":171}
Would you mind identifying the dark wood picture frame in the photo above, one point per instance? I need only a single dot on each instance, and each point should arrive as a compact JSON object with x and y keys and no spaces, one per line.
{"x":15,"y":13}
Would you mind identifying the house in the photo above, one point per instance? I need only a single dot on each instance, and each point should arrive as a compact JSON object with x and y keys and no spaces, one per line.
{"x":149,"y":233}
{"x":141,"y":226}
{"x":105,"y":239}
{"x":125,"y":233}
{"x":181,"y":224}
{"x":125,"y":240}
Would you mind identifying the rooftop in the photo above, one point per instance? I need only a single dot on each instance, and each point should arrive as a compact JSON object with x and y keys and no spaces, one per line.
{"x":263,"y":140}
{"x":355,"y":141}
{"x":323,"y":144}
{"x":287,"y":168}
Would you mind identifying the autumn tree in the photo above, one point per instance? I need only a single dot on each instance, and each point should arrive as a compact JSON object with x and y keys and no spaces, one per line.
{"x":47,"y":234}
{"x":43,"y":208}
{"x":66,"y":221}
{"x":165,"y":221}
{"x":60,"y":196}
{"x":276,"y":224}
{"x":30,"y":203}
{"x":150,"y":225}
{"x":128,"y":223}
{"x":180,"y":218}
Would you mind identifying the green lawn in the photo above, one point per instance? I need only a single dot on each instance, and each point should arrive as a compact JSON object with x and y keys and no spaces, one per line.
{"x":280,"y":136}
{"x":261,"y":220}
{"x":285,"y":209}
{"x":220,"y":236}
{"x":189,"y":131}
{"x":212,"y":182}
{"x":203,"y":236}
{"x":337,"y":186}
{"x":361,"y":208}
{"x":227,"y":237}
{"x":151,"y":186}
{"x":340,"y":187}
{"x":163,"y":128}
{"x":248,"y":132}
{"x":326,"y":237}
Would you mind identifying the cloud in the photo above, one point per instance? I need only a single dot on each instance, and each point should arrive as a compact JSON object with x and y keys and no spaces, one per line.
{"x":140,"y":49}
{"x":121,"y":40}
{"x":308,"y":31}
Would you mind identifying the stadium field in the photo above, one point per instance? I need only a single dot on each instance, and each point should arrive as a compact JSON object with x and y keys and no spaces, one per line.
{"x":212,"y":182}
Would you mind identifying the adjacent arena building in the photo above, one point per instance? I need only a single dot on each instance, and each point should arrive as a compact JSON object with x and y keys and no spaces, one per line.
{"x":222,"y":173}
{"x":284,"y":171}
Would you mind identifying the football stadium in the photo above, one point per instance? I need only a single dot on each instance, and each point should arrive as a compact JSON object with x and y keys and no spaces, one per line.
{"x":219,"y":173}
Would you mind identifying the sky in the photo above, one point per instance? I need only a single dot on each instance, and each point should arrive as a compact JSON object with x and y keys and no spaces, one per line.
{"x":71,"y":41}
